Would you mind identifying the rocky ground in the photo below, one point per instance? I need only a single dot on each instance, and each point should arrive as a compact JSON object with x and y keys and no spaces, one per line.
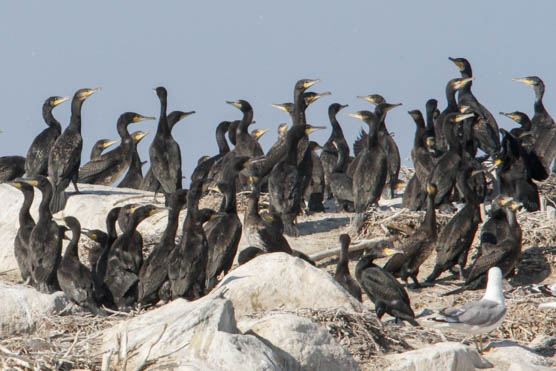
{"x":72,"y":339}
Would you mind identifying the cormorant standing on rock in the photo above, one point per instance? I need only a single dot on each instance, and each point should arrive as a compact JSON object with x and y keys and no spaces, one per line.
{"x":65,"y":156}
{"x":37,"y":156}
{"x":336,"y":143}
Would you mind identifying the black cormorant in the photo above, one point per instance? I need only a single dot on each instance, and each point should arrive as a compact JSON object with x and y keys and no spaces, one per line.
{"x":110,"y":166}
{"x":258,"y":133}
{"x":382,"y":288}
{"x":45,"y":241}
{"x":342,"y":275}
{"x":37,"y":155}
{"x":22,"y":251}
{"x":134,"y":175}
{"x":154,"y":271}
{"x":336,"y":143}
{"x":76,"y":280}
{"x":65,"y":155}
{"x":11,"y":167}
{"x":245,"y":145}
{"x":100,"y":146}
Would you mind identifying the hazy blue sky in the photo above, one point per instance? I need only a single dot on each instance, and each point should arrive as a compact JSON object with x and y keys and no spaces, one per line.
{"x":208,"y":52}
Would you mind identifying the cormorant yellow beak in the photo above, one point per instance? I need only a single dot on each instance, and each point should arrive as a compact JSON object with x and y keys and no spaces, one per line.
{"x":310,"y":83}
{"x":283,"y":128}
{"x":392,"y":106}
{"x":109,"y":143}
{"x":498,"y":162}
{"x":431,"y":189}
{"x":525,"y":134}
{"x":260,"y":132}
{"x":356,"y":115}
{"x":139,"y":118}
{"x":61,"y":100}
{"x":463,"y":117}
{"x":516,"y":205}
{"x":430,"y":141}
{"x":505,"y":200}
{"x":90,"y":92}
{"x":140,"y":135}
{"x":510,"y":115}
{"x":216,"y":188}
{"x":313,"y":98}
{"x":235,"y":103}
{"x":317,"y":148}
{"x":523,"y":80}
{"x":391,"y":251}
{"x":464,"y":109}
{"x":311,"y":129}
{"x":14,"y":184}
{"x":156,"y":211}
{"x":280,"y":107}
{"x":459,"y":64}
{"x":461,"y":83}
{"x":185,"y":114}
{"x":132,"y":209}
{"x":368,"y":98}
{"x":31,"y":182}
{"x":253,"y":179}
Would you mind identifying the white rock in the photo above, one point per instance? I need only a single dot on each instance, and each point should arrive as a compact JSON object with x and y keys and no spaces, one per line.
{"x":199,"y":335}
{"x":23,"y":308}
{"x":90,"y":208}
{"x":279,"y":280}
{"x":508,"y":355}
{"x":310,"y":346}
{"x":441,"y":356}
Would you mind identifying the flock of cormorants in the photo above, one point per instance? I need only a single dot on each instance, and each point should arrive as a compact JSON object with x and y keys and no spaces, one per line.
{"x":447,"y":169}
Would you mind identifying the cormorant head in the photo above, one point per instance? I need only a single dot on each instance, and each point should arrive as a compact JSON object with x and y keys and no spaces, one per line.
{"x":345,"y":240}
{"x":241,"y":104}
{"x":386,"y":107}
{"x":202,"y":159}
{"x":161,"y":92}
{"x":334,"y":108}
{"x":176,"y":116}
{"x":305,"y":84}
{"x":37,"y":181}
{"x":366,"y":116}
{"x":431,"y":105}
{"x":138,"y":135}
{"x":515,"y":206}
{"x":430,"y":142}
{"x":83,"y":94}
{"x":143,"y":212}
{"x":282,"y":129}
{"x":286,"y":107}
{"x":102,"y":144}
{"x":132,"y":117}
{"x":314,"y":146}
{"x":258,"y":133}
{"x":519,"y":117}
{"x":311,"y":128}
{"x":375,"y":99}
{"x":72,"y":223}
{"x":205,"y":214}
{"x":95,"y":234}
{"x":416,"y":115}
{"x":457,"y":84}
{"x":312,"y":97}
{"x":55,"y":101}
{"x":530,"y":81}
{"x":462,"y":64}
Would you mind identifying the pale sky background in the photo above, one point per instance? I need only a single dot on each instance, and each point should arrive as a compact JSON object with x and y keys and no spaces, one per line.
{"x":208,"y":52}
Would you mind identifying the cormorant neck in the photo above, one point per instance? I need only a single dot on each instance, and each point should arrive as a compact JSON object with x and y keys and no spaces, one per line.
{"x":539,"y":93}
{"x":25,"y":217}
{"x":451,"y":97}
{"x":343,"y":262}
{"x":291,"y":147}
{"x":221,"y":141}
{"x":71,"y":249}
{"x":430,"y":216}
{"x":44,"y":207}
{"x":253,"y":202}
{"x":372,"y":136}
{"x":49,"y":118}
{"x":340,"y":163}
{"x":336,"y":128}
{"x":75,"y":121}
{"x":299,"y":106}
{"x":246,"y":121}
{"x":163,"y":127}
{"x":171,"y":226}
{"x":121,"y":127}
{"x":229,"y":202}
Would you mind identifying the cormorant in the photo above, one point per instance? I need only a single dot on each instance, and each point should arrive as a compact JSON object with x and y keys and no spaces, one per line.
{"x":134,"y":175}
{"x":542,"y":124}
{"x":249,"y":253}
{"x":22,"y":251}
{"x":154,"y":271}
{"x":232,"y":131}
{"x":382,"y":288}
{"x":258,"y":133}
{"x":100,"y":146}
{"x":314,"y":193}
{"x":341,"y":184}
{"x":282,"y":132}
{"x":245,"y":145}
{"x":122,"y":271}
{"x":260,"y":233}
{"x":485,"y":128}
{"x":75,"y":279}
{"x":342,"y":275}
{"x":496,"y":228}
{"x":370,"y":174}
{"x":418,"y":247}
{"x":110,"y":166}
{"x":456,"y":237}
{"x":188,"y":261}
{"x":164,"y":152}
{"x":361,"y":140}
{"x":505,"y":255}
{"x":11,"y":167}
{"x":37,"y":156}
{"x":45,"y":241}
{"x":285,"y":182}
{"x":440,"y":128}
{"x":64,"y":158}
{"x":336,"y":143}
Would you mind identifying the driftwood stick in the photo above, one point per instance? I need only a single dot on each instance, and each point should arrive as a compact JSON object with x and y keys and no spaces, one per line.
{"x":359,"y":245}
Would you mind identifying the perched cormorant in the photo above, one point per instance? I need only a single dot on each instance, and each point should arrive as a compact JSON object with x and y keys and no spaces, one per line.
{"x":134,"y":175}
{"x":260,"y":233}
{"x":164,"y":152}
{"x":188,"y":261}
{"x":122,"y":270}
{"x":456,"y":237}
{"x":542,"y":124}
{"x":154,"y":271}
{"x":245,"y":145}
{"x":505,"y":255}
{"x":285,"y":182}
{"x":22,"y":251}
{"x":45,"y":241}
{"x":258,"y":133}
{"x":110,"y":166}
{"x":100,"y":146}
{"x":418,"y":247}
{"x":496,"y":228}
{"x":37,"y":156}
{"x":11,"y":167}
{"x":76,"y":280}
{"x":370,"y":174}
{"x":382,"y":288}
{"x":65,"y":156}
{"x":342,"y":275}
{"x":485,"y":128}
{"x":341,"y":184}
{"x":282,"y":132}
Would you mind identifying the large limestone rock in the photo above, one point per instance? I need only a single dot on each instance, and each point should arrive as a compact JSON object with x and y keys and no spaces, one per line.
{"x":508,"y":355}
{"x":199,"y":335}
{"x":440,"y":356}
{"x":279,"y":280}
{"x":90,"y":207}
{"x":310,"y":346}
{"x":23,"y":308}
